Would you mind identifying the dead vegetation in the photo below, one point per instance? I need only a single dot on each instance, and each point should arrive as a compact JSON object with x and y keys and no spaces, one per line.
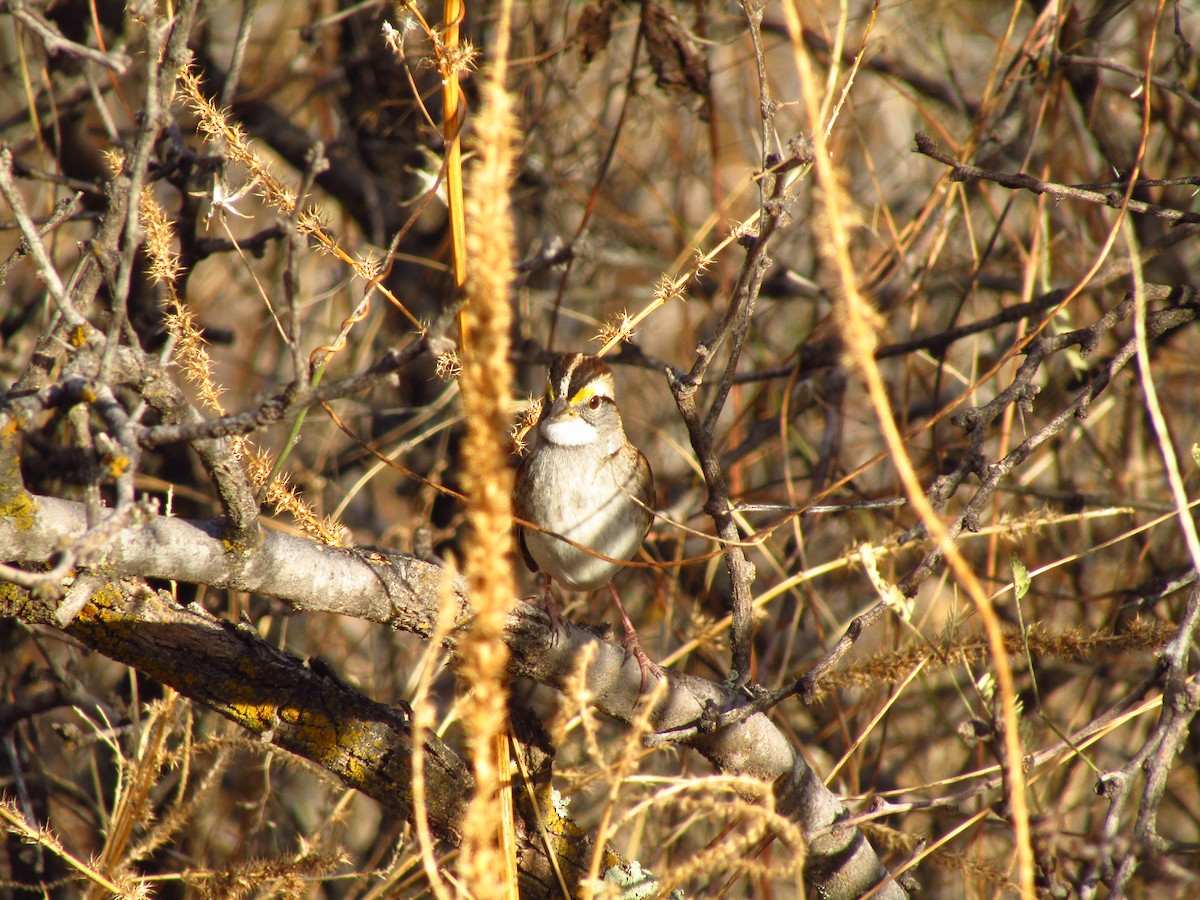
{"x":902,"y":304}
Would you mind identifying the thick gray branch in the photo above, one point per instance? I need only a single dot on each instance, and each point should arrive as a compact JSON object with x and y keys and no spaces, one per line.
{"x":403,"y":592}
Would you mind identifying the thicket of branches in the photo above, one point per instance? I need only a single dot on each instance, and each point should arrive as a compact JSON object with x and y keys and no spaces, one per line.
{"x":901,"y":300}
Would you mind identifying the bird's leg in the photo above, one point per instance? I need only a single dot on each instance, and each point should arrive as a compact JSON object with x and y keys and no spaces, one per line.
{"x":633,"y":645}
{"x":551,"y":607}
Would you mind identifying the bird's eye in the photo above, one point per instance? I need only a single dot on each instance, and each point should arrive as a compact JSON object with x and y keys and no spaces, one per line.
{"x":595,"y":402}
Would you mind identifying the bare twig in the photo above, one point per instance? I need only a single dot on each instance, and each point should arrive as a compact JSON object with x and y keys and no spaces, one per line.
{"x":54,"y":41}
{"x":33,"y":241}
{"x":1022,"y":182}
{"x":777,"y":177}
{"x":63,"y":209}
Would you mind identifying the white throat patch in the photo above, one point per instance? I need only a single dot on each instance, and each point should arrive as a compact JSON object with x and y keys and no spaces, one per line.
{"x":571,"y":432}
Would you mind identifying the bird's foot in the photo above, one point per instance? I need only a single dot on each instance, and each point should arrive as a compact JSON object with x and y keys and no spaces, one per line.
{"x":550,"y":607}
{"x":648,"y":666}
{"x":634,"y":646}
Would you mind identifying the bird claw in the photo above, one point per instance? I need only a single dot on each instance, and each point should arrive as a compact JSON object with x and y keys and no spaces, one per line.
{"x":634,"y":646}
{"x":648,"y":666}
{"x":550,"y":607}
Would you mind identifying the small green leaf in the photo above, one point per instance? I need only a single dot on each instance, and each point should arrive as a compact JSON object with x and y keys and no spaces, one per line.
{"x":1020,"y":574}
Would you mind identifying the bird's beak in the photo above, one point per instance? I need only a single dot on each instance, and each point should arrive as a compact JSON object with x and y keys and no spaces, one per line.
{"x":561,"y":409}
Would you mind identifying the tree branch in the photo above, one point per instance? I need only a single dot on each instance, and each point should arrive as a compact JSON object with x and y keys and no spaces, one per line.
{"x":402,"y":592}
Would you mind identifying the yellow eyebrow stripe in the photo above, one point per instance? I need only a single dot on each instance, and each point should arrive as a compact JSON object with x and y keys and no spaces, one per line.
{"x":583,"y":393}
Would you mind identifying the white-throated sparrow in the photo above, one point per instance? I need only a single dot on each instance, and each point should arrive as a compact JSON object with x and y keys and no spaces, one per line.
{"x":584,"y":480}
